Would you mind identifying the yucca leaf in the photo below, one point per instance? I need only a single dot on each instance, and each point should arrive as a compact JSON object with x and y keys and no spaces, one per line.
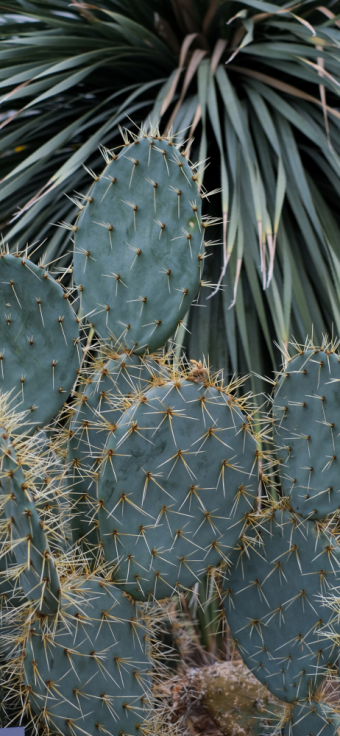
{"x":267,"y":134}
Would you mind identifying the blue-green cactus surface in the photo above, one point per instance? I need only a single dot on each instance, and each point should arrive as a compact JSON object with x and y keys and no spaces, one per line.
{"x":307,"y":423}
{"x":47,"y":481}
{"x":139,"y":245}
{"x":38,"y":340}
{"x":178,"y":476}
{"x":274,"y":603}
{"x":26,"y":538}
{"x":313,"y":718}
{"x":104,"y":395}
{"x":89,"y":673}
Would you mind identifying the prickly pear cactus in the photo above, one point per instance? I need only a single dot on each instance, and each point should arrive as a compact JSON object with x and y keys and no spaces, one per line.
{"x":73,"y":639}
{"x":306,"y":411}
{"x":38,"y":340}
{"x":139,"y":244}
{"x":311,"y":718}
{"x":161,"y":479}
{"x":274,"y":602}
{"x":25,"y":532}
{"x":105,"y":393}
{"x":178,"y":477}
{"x":88,"y":670}
{"x":46,"y":480}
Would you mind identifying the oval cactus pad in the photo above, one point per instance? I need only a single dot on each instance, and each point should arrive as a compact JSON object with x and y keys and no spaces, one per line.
{"x":90,"y":669}
{"x":94,"y":420}
{"x":38,"y":336}
{"x":275,"y":603}
{"x":138,"y":245}
{"x":306,"y":409}
{"x":39,"y":578}
{"x":177,"y":480}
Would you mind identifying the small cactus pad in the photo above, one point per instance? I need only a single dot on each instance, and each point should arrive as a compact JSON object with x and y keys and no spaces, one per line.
{"x":89,"y":672}
{"x":274,"y":603}
{"x":139,"y":245}
{"x":312,"y":718}
{"x":178,"y":476}
{"x":307,"y":410}
{"x":97,"y":409}
{"x":38,"y":332}
{"x":25,"y":531}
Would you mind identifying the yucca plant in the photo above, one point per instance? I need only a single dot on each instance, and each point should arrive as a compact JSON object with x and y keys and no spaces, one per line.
{"x":255,"y":83}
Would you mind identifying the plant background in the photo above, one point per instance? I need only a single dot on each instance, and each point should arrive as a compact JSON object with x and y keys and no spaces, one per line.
{"x":257,"y":86}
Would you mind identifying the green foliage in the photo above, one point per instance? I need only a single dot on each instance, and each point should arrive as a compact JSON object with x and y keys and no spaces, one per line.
{"x":38,"y":340}
{"x":257,"y":84}
{"x":139,"y":245}
{"x":177,"y":478}
{"x":274,"y":602}
{"x":207,"y":615}
{"x":306,"y":410}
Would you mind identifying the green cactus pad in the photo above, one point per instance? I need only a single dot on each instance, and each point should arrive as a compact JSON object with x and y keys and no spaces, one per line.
{"x":178,"y":476}
{"x":139,"y":245}
{"x":38,"y":331}
{"x":312,"y":719}
{"x":274,"y":603}
{"x":47,"y":480}
{"x":27,"y":539}
{"x":96,"y":413}
{"x":89,"y":673}
{"x":307,"y":409}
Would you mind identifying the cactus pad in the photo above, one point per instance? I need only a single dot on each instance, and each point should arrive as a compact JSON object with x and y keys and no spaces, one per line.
{"x":46,"y":478}
{"x":139,"y":245}
{"x":178,"y":476}
{"x":38,"y":331}
{"x":25,"y":530}
{"x":274,"y":603}
{"x":307,"y":410}
{"x":89,"y":673}
{"x":96,"y":412}
{"x":313,"y":719}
